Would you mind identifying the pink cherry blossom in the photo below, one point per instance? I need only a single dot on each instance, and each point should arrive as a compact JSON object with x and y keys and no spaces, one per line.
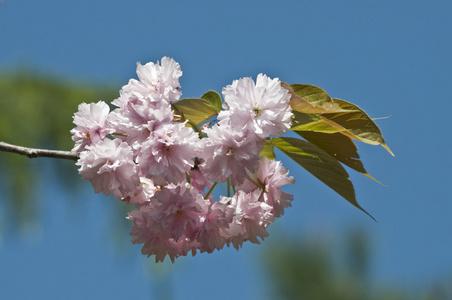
{"x":110,"y":168}
{"x":146,"y":231}
{"x":270,"y":177}
{"x":143,"y":194}
{"x":250,"y":219}
{"x":228,"y":153}
{"x":169,"y":225}
{"x":92,"y":125}
{"x":138,"y":118}
{"x":163,"y":77}
{"x":134,"y":90}
{"x":169,"y":152}
{"x":178,"y":210}
{"x":262,"y":108}
{"x":217,"y":217}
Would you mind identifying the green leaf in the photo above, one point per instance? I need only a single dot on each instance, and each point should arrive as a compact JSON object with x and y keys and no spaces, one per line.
{"x":195,"y":109}
{"x":313,"y":122}
{"x":311,"y":93}
{"x":214,"y":98}
{"x":338,"y":146}
{"x":268,"y":151}
{"x":310,"y":99}
{"x":358,"y":124}
{"x":320,"y":164}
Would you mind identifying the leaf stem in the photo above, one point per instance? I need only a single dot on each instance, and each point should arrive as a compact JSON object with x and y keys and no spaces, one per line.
{"x":210,"y":190}
{"x":187,"y":177}
{"x":119,"y":134}
{"x":254,"y":182}
{"x":195,"y":127}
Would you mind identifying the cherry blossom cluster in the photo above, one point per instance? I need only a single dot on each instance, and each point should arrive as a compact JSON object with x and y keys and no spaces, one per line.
{"x":146,"y":154}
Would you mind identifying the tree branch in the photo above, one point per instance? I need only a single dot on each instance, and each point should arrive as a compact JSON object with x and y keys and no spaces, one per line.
{"x":33,"y":152}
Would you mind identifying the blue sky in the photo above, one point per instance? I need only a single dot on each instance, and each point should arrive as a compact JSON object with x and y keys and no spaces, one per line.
{"x":392,"y":58}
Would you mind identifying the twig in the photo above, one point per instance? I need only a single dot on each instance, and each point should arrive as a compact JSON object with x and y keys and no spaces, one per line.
{"x":33,"y":152}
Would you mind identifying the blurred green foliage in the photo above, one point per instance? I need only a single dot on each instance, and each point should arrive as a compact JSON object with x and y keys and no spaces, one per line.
{"x":36,"y":111}
{"x":319,"y":269}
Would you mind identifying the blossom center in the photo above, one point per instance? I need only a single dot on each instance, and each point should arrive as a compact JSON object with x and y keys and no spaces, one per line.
{"x":230,"y":152}
{"x":257,"y":110}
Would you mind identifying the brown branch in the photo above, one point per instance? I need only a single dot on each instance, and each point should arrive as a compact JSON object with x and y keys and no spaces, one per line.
{"x":33,"y":152}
